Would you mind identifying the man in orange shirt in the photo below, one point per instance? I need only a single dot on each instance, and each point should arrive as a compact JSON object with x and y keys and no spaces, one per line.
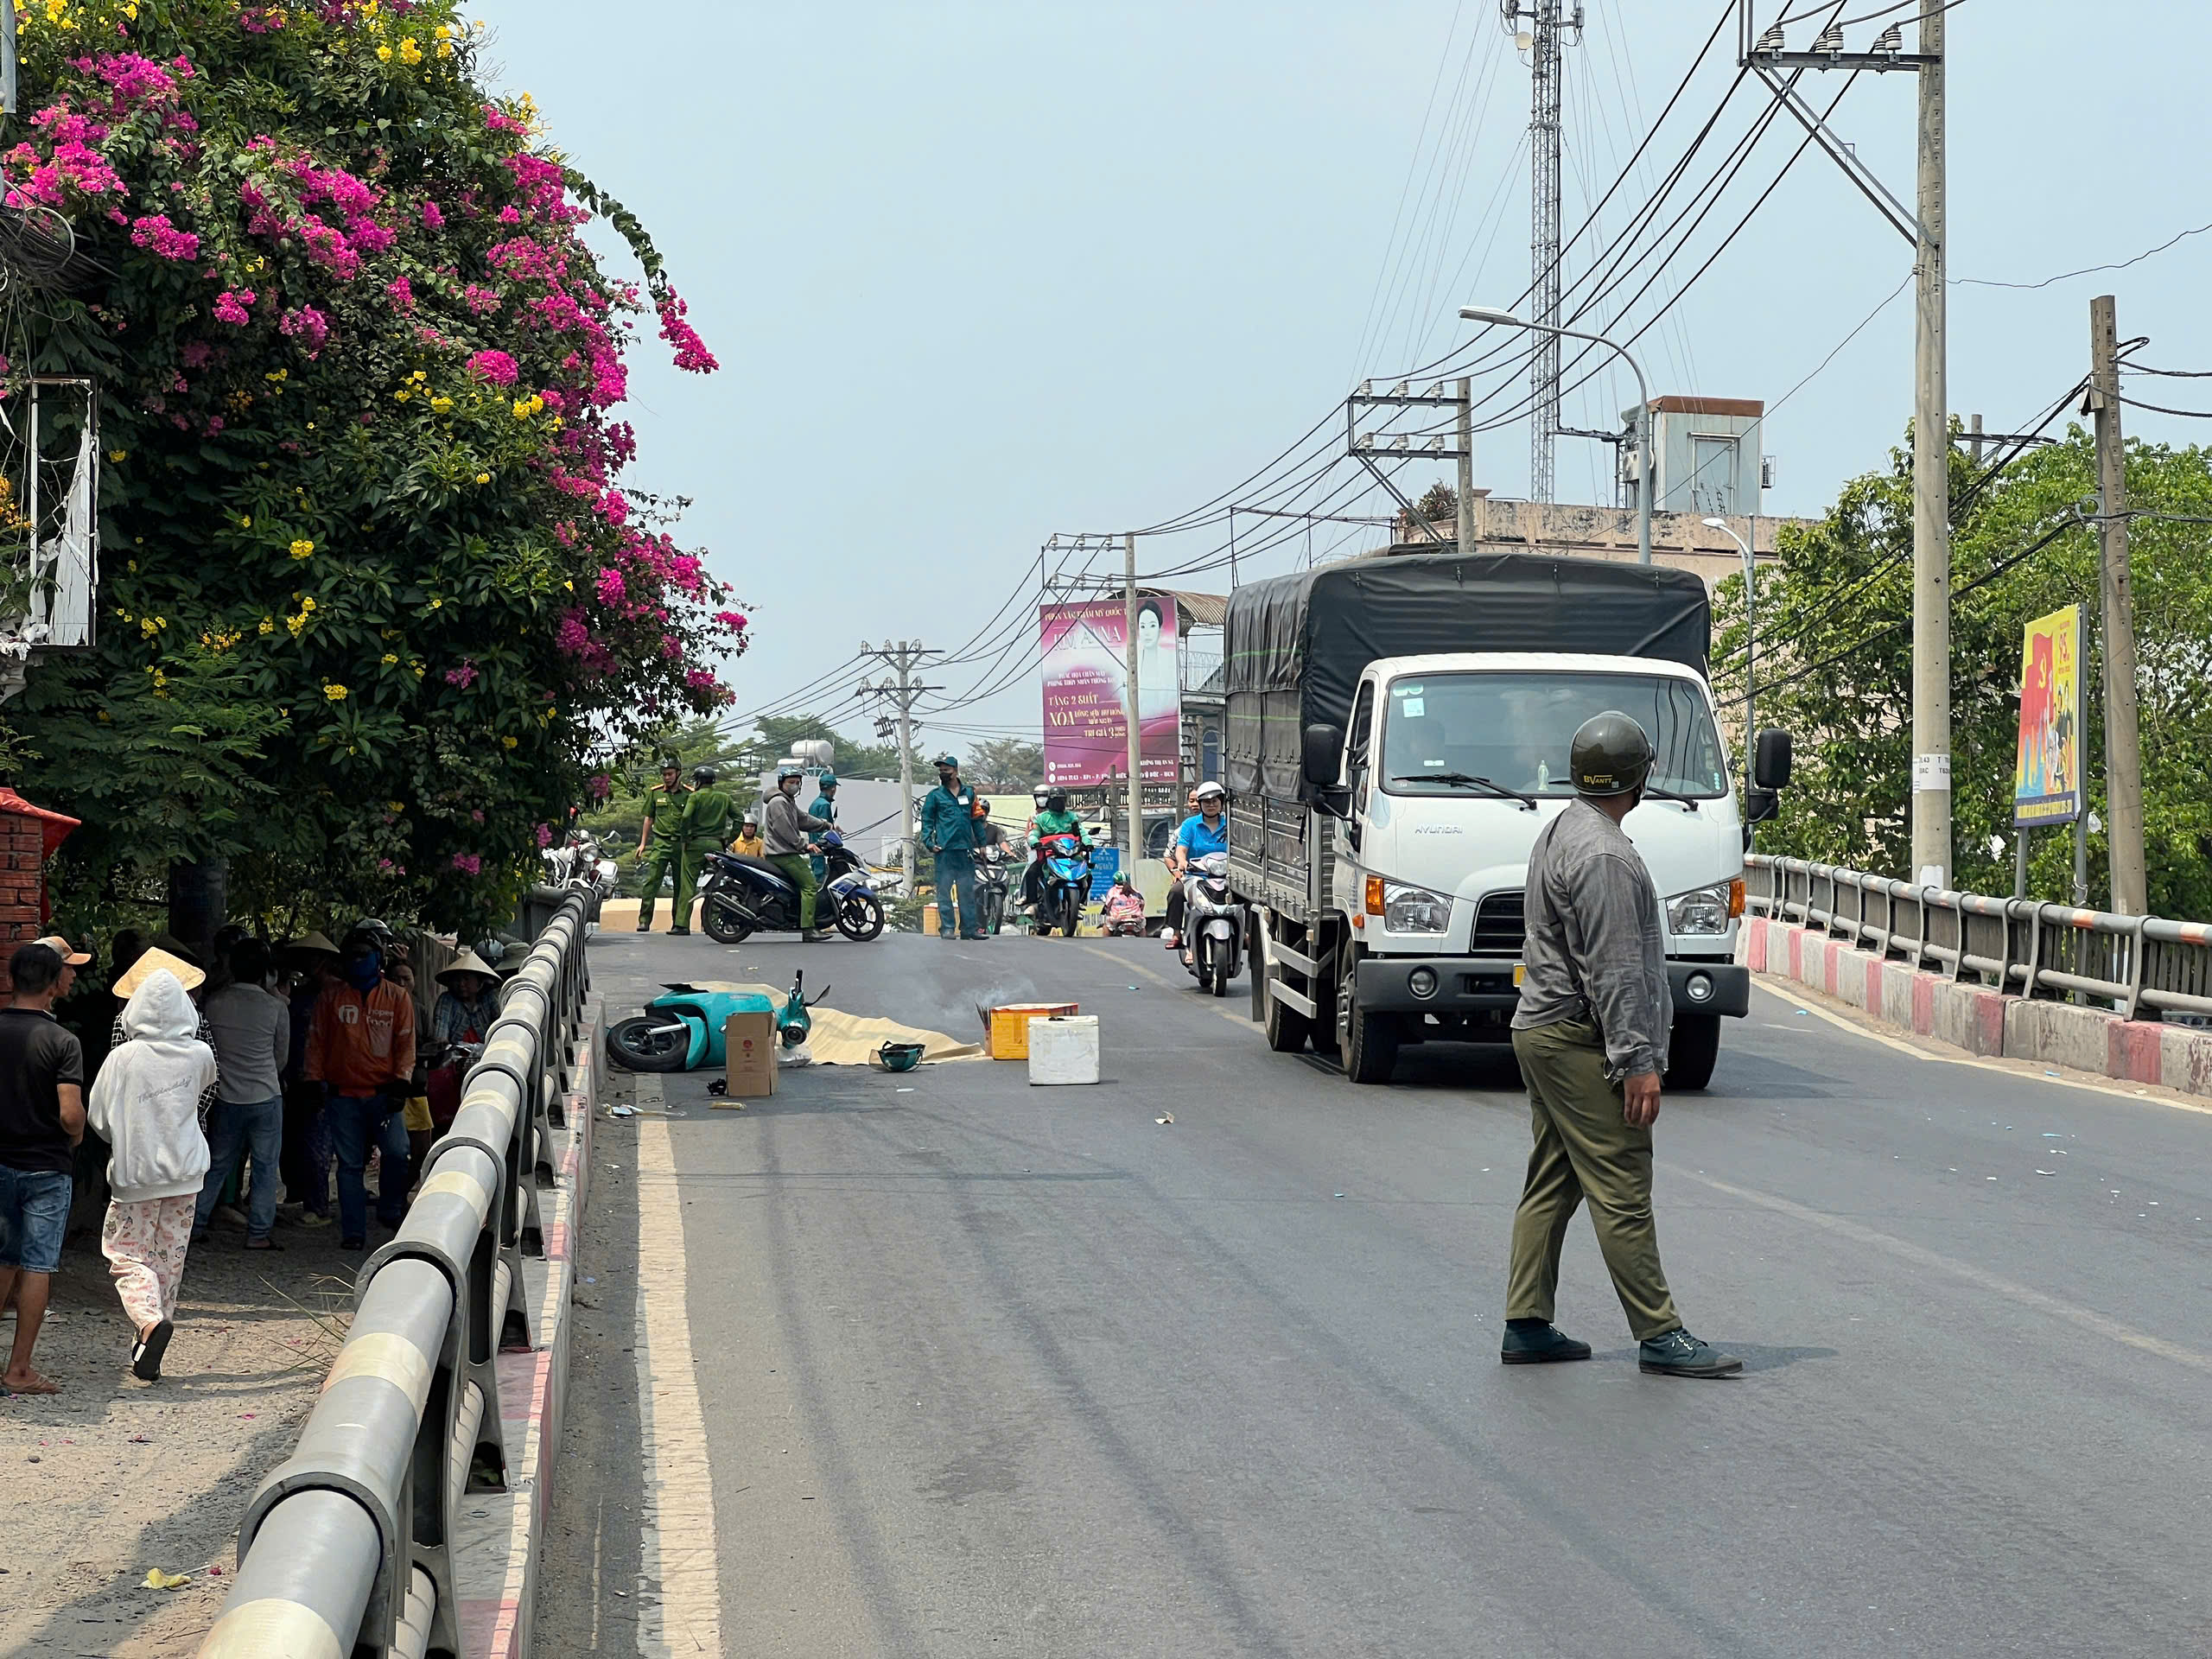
{"x":361,"y":1049}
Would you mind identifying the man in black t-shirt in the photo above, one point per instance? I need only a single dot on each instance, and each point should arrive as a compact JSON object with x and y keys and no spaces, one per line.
{"x":41,"y":1119}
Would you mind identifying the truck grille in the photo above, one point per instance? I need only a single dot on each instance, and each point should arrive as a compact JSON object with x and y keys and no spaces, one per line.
{"x":1501,"y":923}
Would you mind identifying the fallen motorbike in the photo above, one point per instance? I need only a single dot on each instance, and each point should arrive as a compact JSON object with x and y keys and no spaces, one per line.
{"x":1213,"y":926}
{"x":680,"y":1030}
{"x":1062,"y":885}
{"x":990,"y":889}
{"x":742,"y":896}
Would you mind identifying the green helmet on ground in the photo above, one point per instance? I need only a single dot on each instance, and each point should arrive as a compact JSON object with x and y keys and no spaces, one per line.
{"x":1610,"y":755}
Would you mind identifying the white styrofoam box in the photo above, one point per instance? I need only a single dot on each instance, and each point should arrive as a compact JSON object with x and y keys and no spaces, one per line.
{"x":1064,"y":1049}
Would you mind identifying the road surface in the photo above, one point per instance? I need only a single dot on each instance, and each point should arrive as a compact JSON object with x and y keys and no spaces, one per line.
{"x":943,"y":1364}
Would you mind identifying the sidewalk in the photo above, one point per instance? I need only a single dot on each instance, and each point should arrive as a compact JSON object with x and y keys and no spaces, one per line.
{"x":113,"y":1476}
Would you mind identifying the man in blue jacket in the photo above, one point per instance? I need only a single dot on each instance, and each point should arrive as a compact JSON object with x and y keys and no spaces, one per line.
{"x":949,"y":836}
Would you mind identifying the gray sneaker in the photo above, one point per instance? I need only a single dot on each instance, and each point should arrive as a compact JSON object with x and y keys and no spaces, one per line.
{"x":1677,"y":1353}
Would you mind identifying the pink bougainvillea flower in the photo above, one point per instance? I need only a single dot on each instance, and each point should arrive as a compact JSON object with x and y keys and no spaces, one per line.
{"x":231,"y":307}
{"x":158,"y":237}
{"x":496,"y":366}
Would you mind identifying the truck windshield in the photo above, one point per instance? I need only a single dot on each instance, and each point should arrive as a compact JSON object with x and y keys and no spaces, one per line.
{"x":1515,"y":728}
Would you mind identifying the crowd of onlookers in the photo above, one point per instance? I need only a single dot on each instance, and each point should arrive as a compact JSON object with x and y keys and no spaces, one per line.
{"x":260,"y":1086}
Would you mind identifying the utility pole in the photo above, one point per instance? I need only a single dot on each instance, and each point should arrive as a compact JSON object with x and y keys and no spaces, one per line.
{"x":1465,"y":536}
{"x":2123,"y":741}
{"x":1539,"y":29}
{"x":1131,"y":703}
{"x":904,"y":656}
{"x":1932,"y":493}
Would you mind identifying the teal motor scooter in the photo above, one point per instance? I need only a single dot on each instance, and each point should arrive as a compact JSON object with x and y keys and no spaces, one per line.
{"x":680,"y":1030}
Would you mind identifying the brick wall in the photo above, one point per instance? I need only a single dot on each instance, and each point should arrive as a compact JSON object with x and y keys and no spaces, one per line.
{"x":22,"y":885}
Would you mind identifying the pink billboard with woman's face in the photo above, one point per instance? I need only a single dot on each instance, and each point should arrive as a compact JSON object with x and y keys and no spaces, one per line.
{"x":1086,"y":733}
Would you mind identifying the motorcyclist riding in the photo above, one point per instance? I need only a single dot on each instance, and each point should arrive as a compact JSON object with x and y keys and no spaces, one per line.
{"x":784,"y":835}
{"x":1123,"y":910}
{"x":824,"y":807}
{"x":1204,"y":831}
{"x":1052,"y":818}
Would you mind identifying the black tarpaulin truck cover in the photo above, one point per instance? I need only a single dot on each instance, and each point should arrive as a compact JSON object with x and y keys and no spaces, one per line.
{"x":1297,"y":644}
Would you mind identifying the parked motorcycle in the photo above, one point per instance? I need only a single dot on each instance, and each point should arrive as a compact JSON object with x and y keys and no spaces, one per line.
{"x":680,"y":1030}
{"x":743,"y":896}
{"x":991,"y":888}
{"x":1213,"y":924}
{"x":1063,"y":884}
{"x":579,"y":862}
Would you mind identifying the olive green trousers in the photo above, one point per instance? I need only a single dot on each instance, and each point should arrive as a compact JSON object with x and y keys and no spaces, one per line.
{"x":1585,"y":1150}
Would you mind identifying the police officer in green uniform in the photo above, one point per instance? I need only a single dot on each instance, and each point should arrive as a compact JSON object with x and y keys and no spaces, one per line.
{"x":1592,"y":1037}
{"x":662,"y":834}
{"x":709,"y":820}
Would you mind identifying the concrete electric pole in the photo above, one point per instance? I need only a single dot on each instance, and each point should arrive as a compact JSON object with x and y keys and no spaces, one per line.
{"x":1132,"y":704}
{"x":2123,"y":741}
{"x":1465,"y":536}
{"x":903,"y":655}
{"x":1932,"y":493}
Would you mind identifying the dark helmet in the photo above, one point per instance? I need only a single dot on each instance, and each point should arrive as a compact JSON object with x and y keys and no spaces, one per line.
{"x":704,"y":777}
{"x":1056,"y":801}
{"x":1610,"y":755}
{"x":671,"y":763}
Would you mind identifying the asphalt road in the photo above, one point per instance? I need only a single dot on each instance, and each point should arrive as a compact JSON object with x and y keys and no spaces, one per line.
{"x":986,"y":1368}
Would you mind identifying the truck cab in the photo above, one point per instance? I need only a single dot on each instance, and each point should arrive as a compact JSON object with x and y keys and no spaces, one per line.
{"x":1448,"y":766}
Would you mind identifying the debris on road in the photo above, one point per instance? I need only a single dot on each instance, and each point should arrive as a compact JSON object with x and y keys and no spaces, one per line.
{"x":1164,"y":1117}
{"x":157,"y":1579}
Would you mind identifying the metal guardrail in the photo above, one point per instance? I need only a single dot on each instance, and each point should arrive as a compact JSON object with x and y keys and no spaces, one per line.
{"x":347,"y":1546}
{"x":2021,"y":945}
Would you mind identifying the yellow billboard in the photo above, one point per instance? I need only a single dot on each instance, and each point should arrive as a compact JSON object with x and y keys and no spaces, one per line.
{"x":2047,"y":773}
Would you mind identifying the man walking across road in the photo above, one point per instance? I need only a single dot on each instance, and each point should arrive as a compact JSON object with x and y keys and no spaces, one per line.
{"x":42,"y":1121}
{"x":660,"y":842}
{"x":709,"y":820}
{"x":784,"y":835}
{"x":948,"y":834}
{"x":1591,"y":1034}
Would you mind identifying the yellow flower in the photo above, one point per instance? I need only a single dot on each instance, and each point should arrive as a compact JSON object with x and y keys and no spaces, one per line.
{"x":418,"y":670}
{"x":522,"y":409}
{"x":302,"y":549}
{"x":334,"y":692}
{"x":383,"y":54}
{"x":410,"y":53}
{"x":160,"y":679}
{"x":389,"y":659}
{"x":442,"y":31}
{"x":146,"y":626}
{"x":537,"y":404}
{"x":441,"y":405}
{"x":506,"y":742}
{"x":102,"y":716}
{"x":419,"y":376}
{"x":436,"y":603}
{"x":445,"y":48}
{"x":483,"y":478}
{"x":117,"y":454}
{"x":402,"y":394}
{"x":247,"y":521}
{"x":267,"y":624}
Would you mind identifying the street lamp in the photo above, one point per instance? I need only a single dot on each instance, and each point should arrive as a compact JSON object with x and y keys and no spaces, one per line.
{"x":1502,"y":318}
{"x":1750,"y":640}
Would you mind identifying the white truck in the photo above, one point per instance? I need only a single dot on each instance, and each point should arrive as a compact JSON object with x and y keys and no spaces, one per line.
{"x":1397,"y":733}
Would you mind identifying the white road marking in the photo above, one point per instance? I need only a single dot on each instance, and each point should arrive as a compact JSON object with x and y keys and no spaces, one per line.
{"x":679,"y":1589}
{"x":1981,"y":1278}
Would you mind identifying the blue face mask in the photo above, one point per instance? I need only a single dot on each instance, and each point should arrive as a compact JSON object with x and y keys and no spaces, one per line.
{"x":364,"y":973}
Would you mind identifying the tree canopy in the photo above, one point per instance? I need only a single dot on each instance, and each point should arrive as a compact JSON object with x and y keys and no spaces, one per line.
{"x":1834,"y":664}
{"x":376,"y":605}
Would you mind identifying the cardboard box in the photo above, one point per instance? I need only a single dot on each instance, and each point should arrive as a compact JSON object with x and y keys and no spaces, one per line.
{"x":749,"y":1044}
{"x":1008,"y":1027}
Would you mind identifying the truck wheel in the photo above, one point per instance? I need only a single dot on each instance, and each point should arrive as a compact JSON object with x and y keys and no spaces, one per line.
{"x":1368,"y":1042}
{"x":1691,"y":1051}
{"x":1288,"y":1029}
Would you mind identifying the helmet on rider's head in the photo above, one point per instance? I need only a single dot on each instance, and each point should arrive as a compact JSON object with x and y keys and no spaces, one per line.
{"x":704,"y":776}
{"x":671,"y":763}
{"x":1121,"y":879}
{"x":981,"y":808}
{"x":1039,"y":792}
{"x":788,"y":771}
{"x":1610,"y":755}
{"x":1208,"y":791}
{"x":1056,"y":801}
{"x":750,"y":820}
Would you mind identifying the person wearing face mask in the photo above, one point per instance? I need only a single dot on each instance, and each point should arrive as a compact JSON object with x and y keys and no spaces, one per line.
{"x":361,"y":1049}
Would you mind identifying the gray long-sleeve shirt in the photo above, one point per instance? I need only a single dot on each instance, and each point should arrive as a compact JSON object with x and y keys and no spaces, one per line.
{"x":783,"y":827}
{"x":1595,"y":950}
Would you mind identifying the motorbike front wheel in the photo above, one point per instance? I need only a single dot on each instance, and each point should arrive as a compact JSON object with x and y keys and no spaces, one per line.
{"x":1219,"y":950}
{"x":648,"y":1044}
{"x":993,"y":905}
{"x":860,"y":917}
{"x":1070,"y":912}
{"x":724,"y":922}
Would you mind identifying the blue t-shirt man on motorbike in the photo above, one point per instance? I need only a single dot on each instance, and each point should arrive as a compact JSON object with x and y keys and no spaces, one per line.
{"x":1204,"y":833}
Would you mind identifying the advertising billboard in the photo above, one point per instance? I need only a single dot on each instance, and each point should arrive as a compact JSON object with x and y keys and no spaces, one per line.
{"x":2047,"y":773}
{"x":1086,"y":735}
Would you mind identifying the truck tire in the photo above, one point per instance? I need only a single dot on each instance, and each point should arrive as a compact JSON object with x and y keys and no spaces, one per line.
{"x":1367,"y":1042}
{"x":1691,"y":1051}
{"x":1288,"y":1029}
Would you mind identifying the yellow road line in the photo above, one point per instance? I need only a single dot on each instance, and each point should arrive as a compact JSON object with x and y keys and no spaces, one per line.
{"x":2027,"y":1296}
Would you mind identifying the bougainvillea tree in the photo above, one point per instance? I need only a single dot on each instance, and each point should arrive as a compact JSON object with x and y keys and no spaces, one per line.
{"x":373,"y":594}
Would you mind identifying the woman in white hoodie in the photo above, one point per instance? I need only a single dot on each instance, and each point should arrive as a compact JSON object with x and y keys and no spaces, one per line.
{"x":147,"y":1102}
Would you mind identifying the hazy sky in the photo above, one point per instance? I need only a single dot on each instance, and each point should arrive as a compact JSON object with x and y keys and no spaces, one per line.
{"x":977,"y":273}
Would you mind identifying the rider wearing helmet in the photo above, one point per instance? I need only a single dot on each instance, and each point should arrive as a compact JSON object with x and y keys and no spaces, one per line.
{"x":1124,"y":905}
{"x":785,"y":831}
{"x":1592,"y":1035}
{"x":663,"y":833}
{"x":1052,"y":818}
{"x":949,"y":836}
{"x":708,"y":814}
{"x":1204,"y":831}
{"x":825,"y":808}
{"x":748,"y":844}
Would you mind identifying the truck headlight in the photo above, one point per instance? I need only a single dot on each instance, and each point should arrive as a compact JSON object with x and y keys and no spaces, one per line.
{"x":1415,"y":910}
{"x":1702,"y":912}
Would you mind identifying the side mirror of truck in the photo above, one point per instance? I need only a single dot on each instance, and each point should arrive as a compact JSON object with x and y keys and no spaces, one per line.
{"x":1320,"y":755}
{"x":1761,"y":806}
{"x":1771,"y":761}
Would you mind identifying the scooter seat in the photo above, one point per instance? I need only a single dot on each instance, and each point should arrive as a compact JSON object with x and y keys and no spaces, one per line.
{"x":760,"y":864}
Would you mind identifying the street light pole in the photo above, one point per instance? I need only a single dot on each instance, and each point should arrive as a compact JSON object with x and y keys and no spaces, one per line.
{"x":1750,"y":646}
{"x":1504,"y":319}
